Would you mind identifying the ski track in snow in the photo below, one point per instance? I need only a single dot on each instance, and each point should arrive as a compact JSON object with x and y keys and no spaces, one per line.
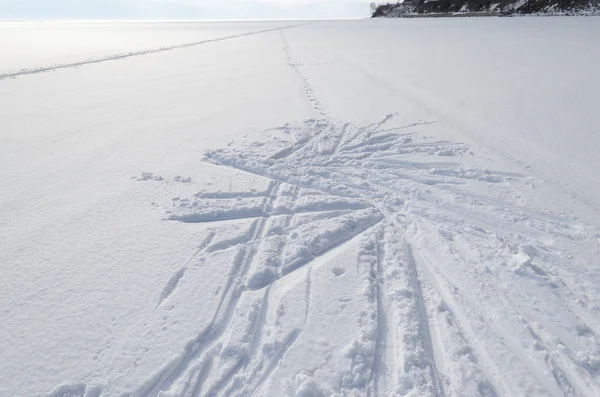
{"x":450,"y":280}
{"x":116,"y":57}
{"x":312,"y":179}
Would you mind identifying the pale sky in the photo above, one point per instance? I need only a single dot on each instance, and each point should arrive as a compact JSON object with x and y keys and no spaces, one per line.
{"x":182,"y":9}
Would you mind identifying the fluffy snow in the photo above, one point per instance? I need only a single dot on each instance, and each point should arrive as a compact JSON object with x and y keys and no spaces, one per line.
{"x":346,"y":208}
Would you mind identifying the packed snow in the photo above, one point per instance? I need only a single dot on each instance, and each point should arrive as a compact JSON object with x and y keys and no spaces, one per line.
{"x":310,"y":209}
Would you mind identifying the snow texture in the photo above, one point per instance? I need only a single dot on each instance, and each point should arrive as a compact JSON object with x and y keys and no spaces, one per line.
{"x":300,"y":211}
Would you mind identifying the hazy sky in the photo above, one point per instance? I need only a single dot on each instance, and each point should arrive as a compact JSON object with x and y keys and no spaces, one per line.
{"x":182,"y":9}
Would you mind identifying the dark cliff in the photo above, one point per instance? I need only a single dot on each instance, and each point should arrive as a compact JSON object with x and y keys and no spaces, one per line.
{"x":507,"y":7}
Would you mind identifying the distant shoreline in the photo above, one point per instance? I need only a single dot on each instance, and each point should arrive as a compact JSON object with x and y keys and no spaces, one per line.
{"x":485,"y":14}
{"x":481,"y":8}
{"x":457,"y":15}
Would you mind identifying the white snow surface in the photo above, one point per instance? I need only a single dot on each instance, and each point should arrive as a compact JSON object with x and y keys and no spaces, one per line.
{"x":342,"y":208}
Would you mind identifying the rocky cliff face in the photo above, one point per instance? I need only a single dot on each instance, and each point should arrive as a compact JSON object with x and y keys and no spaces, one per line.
{"x":412,"y":7}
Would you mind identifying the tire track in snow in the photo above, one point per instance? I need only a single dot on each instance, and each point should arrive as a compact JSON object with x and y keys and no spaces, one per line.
{"x":116,"y":57}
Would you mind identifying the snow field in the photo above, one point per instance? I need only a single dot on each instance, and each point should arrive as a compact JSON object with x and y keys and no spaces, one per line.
{"x":296,"y":212}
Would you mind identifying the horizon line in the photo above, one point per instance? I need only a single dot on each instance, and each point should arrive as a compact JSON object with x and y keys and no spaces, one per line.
{"x":53,"y":20}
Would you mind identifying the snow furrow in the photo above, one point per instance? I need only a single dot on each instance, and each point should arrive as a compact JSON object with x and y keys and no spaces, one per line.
{"x":461,"y":304}
{"x":377,"y":379}
{"x":221,"y":320}
{"x":425,"y":324}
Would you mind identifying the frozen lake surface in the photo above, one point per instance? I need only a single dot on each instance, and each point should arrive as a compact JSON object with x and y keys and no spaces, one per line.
{"x":336,"y":208}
